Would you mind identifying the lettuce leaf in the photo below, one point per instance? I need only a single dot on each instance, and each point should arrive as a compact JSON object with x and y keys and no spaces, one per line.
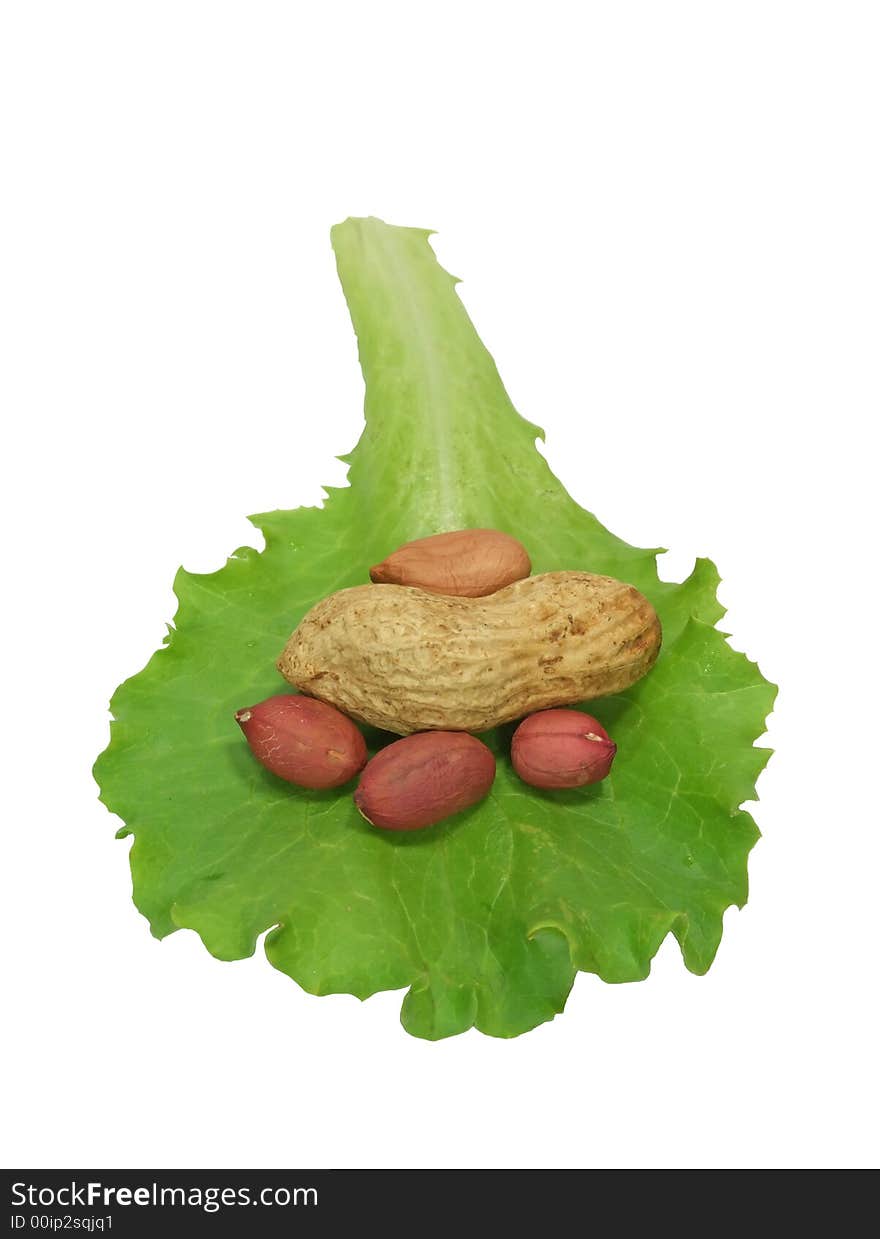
{"x":486,"y":918}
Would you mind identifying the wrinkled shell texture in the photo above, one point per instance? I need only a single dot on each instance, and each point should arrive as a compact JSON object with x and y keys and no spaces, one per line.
{"x":561,"y":748}
{"x":405,"y":660}
{"x":468,"y":563}
{"x":423,"y":779}
{"x":303,"y":741}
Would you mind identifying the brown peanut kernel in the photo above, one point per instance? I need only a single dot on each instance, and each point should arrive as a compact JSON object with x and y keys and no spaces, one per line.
{"x":468,"y":563}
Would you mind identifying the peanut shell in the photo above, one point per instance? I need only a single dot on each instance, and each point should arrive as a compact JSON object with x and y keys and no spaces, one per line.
{"x":406,"y":660}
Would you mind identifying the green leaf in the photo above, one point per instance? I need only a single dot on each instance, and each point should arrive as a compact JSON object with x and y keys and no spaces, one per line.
{"x":487,"y":917}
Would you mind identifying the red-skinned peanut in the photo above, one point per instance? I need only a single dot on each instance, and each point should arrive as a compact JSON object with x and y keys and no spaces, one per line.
{"x":420,"y":780}
{"x":561,"y":748}
{"x":303,"y":741}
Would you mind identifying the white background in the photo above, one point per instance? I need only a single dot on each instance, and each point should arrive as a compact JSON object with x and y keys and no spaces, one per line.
{"x":666,"y":218}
